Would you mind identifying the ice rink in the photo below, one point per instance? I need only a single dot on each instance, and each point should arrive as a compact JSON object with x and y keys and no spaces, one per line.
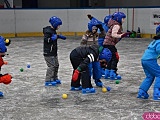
{"x":26,"y":98}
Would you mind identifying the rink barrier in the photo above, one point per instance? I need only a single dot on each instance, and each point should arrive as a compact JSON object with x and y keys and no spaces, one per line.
{"x":29,"y":34}
{"x":7,"y":34}
{"x":40,"y":34}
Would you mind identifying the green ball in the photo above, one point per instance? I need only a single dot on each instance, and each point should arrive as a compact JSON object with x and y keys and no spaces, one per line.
{"x":21,"y":70}
{"x":117,"y":81}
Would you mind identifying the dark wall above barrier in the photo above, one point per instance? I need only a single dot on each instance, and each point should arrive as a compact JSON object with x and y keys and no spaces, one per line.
{"x":132,"y":3}
{"x":77,"y":4}
{"x":30,"y":3}
{"x":97,"y":3}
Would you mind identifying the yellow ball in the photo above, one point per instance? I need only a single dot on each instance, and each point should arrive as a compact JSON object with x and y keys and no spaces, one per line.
{"x":7,"y":40}
{"x":64,"y":96}
{"x":104,"y":90}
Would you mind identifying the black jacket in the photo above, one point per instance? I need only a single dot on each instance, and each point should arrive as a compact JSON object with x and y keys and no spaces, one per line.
{"x":88,"y":54}
{"x":49,"y":46}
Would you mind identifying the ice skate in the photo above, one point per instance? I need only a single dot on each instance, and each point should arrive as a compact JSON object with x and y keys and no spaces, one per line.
{"x":142,"y":94}
{"x":156,"y":94}
{"x":76,"y":88}
{"x":57,"y":81}
{"x":114,"y":76}
{"x":98,"y":83}
{"x":88,"y":90}
{"x":50,"y":83}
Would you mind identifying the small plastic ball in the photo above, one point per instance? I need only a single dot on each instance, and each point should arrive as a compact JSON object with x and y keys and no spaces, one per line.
{"x":104,"y":90}
{"x":117,"y":81}
{"x":64,"y":96}
{"x":108,"y":88}
{"x":21,"y":69}
{"x":28,"y":66}
{"x":7,"y":40}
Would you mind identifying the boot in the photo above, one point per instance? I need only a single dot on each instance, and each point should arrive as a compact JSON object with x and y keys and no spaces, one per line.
{"x":156,"y":94}
{"x":50,"y":83}
{"x":142,"y":94}
{"x":107,"y":74}
{"x":114,"y":76}
{"x":98,"y":83}
{"x":88,"y":90}
{"x":57,"y":81}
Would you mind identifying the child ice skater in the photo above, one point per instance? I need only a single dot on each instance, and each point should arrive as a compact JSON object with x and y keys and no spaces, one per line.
{"x":6,"y":78}
{"x":101,"y":35}
{"x":151,"y":69}
{"x":91,"y":38}
{"x":113,"y":36}
{"x":50,"y":49}
{"x":80,"y":58}
{"x":103,"y":28}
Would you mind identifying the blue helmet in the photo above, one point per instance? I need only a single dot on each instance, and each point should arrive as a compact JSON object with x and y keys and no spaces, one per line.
{"x":105,"y":54}
{"x":55,"y":21}
{"x":158,"y":30}
{"x":93,"y":22}
{"x":117,"y":16}
{"x":2,"y":45}
{"x":106,"y":19}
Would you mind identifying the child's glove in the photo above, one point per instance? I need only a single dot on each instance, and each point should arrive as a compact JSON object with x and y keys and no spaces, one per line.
{"x":100,"y":27}
{"x":6,"y":78}
{"x":54,"y":37}
{"x":75,"y":75}
{"x":126,"y":34}
{"x":61,"y":37}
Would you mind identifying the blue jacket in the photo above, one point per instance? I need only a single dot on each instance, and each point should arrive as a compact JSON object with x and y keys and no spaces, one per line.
{"x":153,"y":50}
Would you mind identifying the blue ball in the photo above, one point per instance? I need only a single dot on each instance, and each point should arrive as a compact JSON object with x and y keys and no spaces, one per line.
{"x":108,"y":88}
{"x":28,"y":66}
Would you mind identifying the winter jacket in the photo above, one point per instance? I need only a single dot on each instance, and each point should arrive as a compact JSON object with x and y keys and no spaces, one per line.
{"x":49,"y":46}
{"x":114,"y":33}
{"x":88,"y":54}
{"x":153,"y":50}
{"x":89,"y":38}
{"x":92,"y":39}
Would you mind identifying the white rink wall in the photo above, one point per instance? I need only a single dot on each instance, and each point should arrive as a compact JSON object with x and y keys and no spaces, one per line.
{"x":74,"y":20}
